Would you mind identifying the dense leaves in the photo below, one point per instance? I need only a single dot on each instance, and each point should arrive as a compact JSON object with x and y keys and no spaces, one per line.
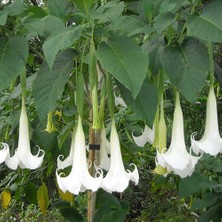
{"x":130,"y":62}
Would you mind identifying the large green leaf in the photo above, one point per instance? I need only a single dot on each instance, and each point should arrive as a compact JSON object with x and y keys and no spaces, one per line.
{"x":3,"y":17}
{"x":208,"y":26}
{"x":187,"y":66}
{"x":58,"y":42}
{"x":59,"y":8}
{"x":163,"y":21}
{"x":125,"y":60}
{"x":108,"y":12}
{"x":13,"y":56}
{"x":49,"y":84}
{"x":17,"y":7}
{"x":49,"y":25}
{"x":83,"y":5}
{"x":145,"y":104}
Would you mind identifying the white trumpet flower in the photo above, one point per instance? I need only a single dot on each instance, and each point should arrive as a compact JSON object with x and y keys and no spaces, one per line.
{"x":23,"y":156}
{"x":119,"y":101}
{"x":104,"y":159}
{"x":211,"y":141}
{"x":176,"y":158}
{"x":117,"y":179}
{"x":4,"y":152}
{"x":79,"y":178}
{"x":148,"y":135}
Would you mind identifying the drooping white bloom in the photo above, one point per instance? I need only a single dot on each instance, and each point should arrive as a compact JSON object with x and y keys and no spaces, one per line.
{"x":4,"y":152}
{"x":176,"y":158}
{"x":117,"y":178}
{"x":79,"y":178}
{"x":23,"y":156}
{"x":211,"y":142}
{"x":148,"y":135}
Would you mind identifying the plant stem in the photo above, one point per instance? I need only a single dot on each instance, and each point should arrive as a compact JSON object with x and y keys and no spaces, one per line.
{"x":91,"y":158}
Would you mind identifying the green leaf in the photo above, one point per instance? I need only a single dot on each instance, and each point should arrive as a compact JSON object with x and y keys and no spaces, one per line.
{"x":43,"y":198}
{"x":3,"y":17}
{"x":83,"y":5}
{"x":61,"y":41}
{"x":145,"y":104}
{"x":191,"y":185}
{"x":17,"y":7}
{"x":187,"y":66}
{"x":111,"y":208}
{"x":207,"y":200}
{"x":13,"y":57}
{"x":129,"y":25}
{"x":49,"y":84}
{"x":108,"y":12}
{"x":212,"y":214}
{"x":49,"y":25}
{"x":59,"y":8}
{"x":163,"y":21}
{"x":31,"y":193}
{"x":208,"y":25}
{"x":125,"y":60}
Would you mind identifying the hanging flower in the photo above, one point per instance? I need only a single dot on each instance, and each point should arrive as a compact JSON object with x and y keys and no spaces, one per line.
{"x":23,"y":156}
{"x":176,"y":158}
{"x":4,"y":152}
{"x":79,"y":178}
{"x":117,"y":179}
{"x":104,"y":159}
{"x":211,"y":142}
{"x":147,"y":136}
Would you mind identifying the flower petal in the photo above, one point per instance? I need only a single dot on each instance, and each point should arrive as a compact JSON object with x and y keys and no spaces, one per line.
{"x":4,"y":152}
{"x":147,"y":136}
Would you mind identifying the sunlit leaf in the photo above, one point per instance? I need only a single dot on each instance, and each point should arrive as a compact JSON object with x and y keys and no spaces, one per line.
{"x":5,"y":198}
{"x":43,"y":198}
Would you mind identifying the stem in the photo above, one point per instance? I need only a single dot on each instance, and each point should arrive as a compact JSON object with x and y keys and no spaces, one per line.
{"x":210,"y":52}
{"x":91,"y":158}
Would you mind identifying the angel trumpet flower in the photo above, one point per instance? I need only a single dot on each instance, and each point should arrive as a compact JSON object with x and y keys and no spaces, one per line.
{"x":79,"y":178}
{"x":211,"y":141}
{"x":147,"y":136}
{"x":23,"y":156}
{"x":117,"y":179}
{"x":4,"y":152}
{"x":176,"y":158}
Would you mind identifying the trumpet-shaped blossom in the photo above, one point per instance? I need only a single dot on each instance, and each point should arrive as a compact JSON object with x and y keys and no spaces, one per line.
{"x":79,"y":178}
{"x":147,"y":136}
{"x":211,"y":142}
{"x":4,"y":152}
{"x":117,"y":178}
{"x":23,"y":156}
{"x":176,"y":158}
